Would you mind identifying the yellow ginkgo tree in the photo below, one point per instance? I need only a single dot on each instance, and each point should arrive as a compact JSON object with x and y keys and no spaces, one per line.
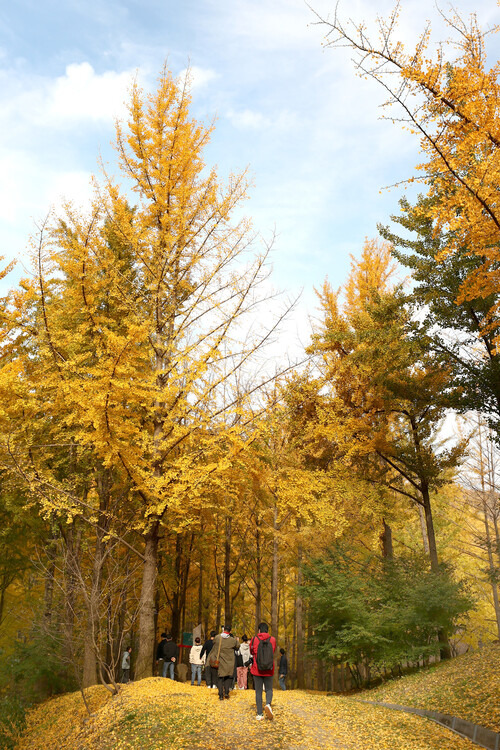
{"x":145,"y":313}
{"x":448,"y":97}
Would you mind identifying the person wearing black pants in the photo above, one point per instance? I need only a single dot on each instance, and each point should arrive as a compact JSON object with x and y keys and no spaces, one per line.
{"x":225,"y":685}
{"x":210,"y":672}
{"x":282,"y":669}
{"x":224,"y":647}
{"x":262,"y":671}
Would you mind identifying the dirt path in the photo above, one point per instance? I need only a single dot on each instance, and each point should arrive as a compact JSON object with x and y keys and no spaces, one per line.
{"x":157,"y":714}
{"x":315,"y":722}
{"x":314,"y":729}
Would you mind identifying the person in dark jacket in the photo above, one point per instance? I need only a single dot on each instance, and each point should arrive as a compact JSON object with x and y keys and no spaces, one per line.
{"x":170,"y":654}
{"x":159,"y":652}
{"x":282,"y":669}
{"x":262,"y":678}
{"x":210,"y":672}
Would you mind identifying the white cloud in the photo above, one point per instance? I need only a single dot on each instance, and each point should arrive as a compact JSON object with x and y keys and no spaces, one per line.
{"x":74,"y":186}
{"x":199,"y":77}
{"x":277,"y":25}
{"x":43,"y":155}
{"x":248,"y":118}
{"x":82,"y":94}
{"x":293,"y":25}
{"x":31,"y":189}
{"x":79,"y":96}
{"x":251,"y":119}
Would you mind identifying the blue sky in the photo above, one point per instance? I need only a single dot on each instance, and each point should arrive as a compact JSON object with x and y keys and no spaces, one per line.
{"x":293,"y":112}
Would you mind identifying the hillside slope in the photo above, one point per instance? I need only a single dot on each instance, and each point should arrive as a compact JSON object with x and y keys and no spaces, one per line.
{"x":467,"y":687}
{"x":158,"y":714}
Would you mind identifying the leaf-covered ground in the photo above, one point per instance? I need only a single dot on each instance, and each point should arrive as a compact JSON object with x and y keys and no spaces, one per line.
{"x":468,"y":687}
{"x":158,"y":714}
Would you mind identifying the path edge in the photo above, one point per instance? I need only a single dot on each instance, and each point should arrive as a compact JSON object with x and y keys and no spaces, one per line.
{"x":479,"y":735}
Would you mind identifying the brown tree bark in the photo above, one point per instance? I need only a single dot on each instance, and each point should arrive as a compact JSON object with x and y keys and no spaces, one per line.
{"x":386,"y":541}
{"x":429,"y":525}
{"x":258,"y":574}
{"x":274,"y":576}
{"x":300,"y":624}
{"x":51,"y":551}
{"x":145,"y":654}
{"x":228,"y":615}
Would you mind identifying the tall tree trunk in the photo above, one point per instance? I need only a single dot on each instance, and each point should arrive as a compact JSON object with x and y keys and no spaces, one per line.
{"x":386,"y":541}
{"x":426,"y":500}
{"x":183,"y":626}
{"x":300,"y":623}
{"x":200,"y":594}
{"x":227,"y":573}
{"x":274,"y":576}
{"x":3,"y":590}
{"x":72,"y":539}
{"x":497,"y":537}
{"x":429,"y":525}
{"x":51,"y":551}
{"x":93,"y":650}
{"x":184,"y":586}
{"x":145,"y":654}
{"x":258,"y":575}
{"x":183,"y":551}
{"x":89,"y":658}
{"x":423,"y":528}
{"x":489,"y":542}
{"x":445,"y":649}
{"x":109,"y":657}
{"x":285,"y":621}
{"x":206,"y":614}
{"x":118,"y":635}
{"x":175,"y":625}
{"x":492,"y":569}
{"x":92,"y":640}
{"x":294,"y":645}
{"x":218,"y":611}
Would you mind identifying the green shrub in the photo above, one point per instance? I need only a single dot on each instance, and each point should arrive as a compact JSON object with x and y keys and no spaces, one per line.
{"x":378,"y":610}
{"x":33,"y":672}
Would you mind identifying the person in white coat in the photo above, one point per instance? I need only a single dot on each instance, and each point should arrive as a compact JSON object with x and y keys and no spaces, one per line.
{"x":196,"y":660}
{"x":243,"y":662}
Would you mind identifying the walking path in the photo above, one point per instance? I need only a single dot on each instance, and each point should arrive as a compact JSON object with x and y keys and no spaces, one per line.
{"x":159,"y":714}
{"x":305,"y":721}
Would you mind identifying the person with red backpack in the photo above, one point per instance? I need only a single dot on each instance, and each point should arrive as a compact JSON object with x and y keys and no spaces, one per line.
{"x":262,"y":648}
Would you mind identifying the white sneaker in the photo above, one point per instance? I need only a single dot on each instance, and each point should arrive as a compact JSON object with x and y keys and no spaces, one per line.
{"x":259,"y":717}
{"x":268,"y":711}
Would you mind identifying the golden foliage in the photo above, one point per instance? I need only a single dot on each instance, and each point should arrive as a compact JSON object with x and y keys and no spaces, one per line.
{"x":467,"y":686}
{"x":450,"y":99}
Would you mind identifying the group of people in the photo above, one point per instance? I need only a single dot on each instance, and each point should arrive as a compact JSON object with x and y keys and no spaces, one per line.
{"x":227,"y":662}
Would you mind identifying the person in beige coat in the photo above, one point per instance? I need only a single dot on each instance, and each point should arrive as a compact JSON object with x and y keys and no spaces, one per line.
{"x":224,"y":646}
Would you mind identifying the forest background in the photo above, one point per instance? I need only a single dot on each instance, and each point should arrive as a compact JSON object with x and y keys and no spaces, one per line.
{"x":163,"y":469}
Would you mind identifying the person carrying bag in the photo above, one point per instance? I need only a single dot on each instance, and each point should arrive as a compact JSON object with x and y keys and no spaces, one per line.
{"x":225,"y":646}
{"x":214,"y":660}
